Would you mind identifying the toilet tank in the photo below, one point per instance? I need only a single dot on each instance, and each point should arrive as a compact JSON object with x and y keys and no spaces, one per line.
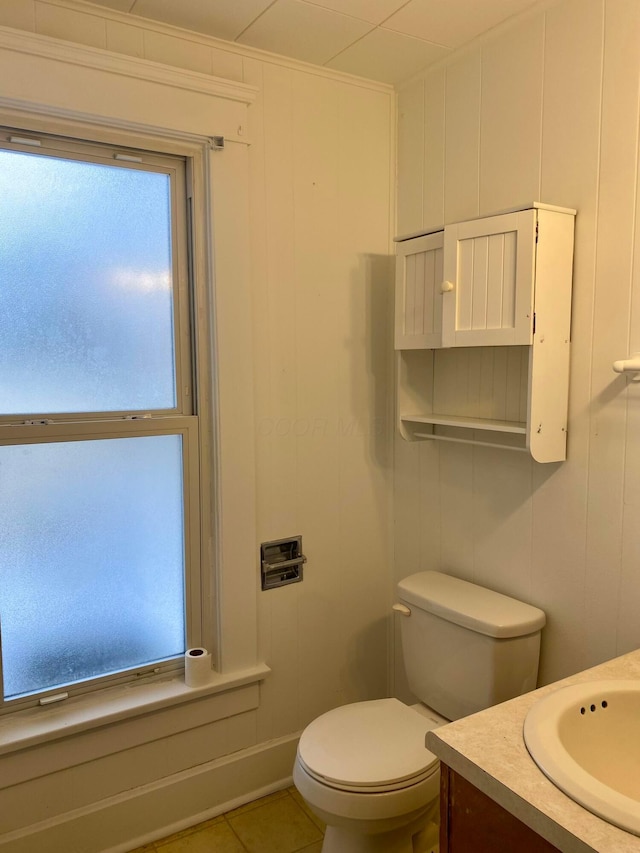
{"x":465,"y":647}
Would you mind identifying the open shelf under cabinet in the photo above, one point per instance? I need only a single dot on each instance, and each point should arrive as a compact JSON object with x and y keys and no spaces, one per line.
{"x":489,"y":396}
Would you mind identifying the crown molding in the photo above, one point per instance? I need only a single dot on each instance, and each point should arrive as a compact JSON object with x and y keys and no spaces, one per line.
{"x":244,"y":51}
{"x":71,"y":53}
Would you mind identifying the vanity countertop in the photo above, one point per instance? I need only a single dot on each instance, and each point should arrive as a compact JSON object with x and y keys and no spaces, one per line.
{"x":488,"y":750}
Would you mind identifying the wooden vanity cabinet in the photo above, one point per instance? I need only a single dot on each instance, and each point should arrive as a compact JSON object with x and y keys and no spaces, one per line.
{"x":471,"y":822}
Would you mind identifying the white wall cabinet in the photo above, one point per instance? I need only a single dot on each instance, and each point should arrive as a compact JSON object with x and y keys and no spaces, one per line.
{"x":482,"y":329}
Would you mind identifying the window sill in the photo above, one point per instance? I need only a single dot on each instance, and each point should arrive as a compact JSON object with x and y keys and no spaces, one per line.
{"x":35,"y":726}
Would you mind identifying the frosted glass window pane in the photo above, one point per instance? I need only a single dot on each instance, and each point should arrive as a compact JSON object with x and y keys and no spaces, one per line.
{"x":91,"y":558}
{"x":86,"y":303}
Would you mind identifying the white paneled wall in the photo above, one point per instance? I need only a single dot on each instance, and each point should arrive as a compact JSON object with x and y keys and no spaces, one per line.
{"x":323,"y":335}
{"x":547,"y":109}
{"x":321,"y":194}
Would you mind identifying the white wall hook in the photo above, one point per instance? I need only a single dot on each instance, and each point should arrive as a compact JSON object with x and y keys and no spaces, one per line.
{"x":629,"y":366}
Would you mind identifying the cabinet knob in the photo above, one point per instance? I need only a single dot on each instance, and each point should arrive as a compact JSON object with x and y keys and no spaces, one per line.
{"x":446,"y":287}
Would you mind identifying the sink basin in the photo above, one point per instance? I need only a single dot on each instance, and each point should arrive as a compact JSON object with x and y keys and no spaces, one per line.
{"x":586,"y":739}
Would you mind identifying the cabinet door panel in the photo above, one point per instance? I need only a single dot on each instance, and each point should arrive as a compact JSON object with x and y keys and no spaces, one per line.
{"x":490,"y":263}
{"x":418,"y":313}
{"x":471,"y":821}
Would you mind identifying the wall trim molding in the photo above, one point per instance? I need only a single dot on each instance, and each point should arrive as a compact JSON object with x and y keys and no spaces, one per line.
{"x":44,"y":118}
{"x":244,"y":51}
{"x":158,"y":809}
{"x":72,"y":53}
{"x":122,"y":106}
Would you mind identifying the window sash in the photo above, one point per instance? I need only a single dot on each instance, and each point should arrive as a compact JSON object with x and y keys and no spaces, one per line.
{"x":44,"y":427}
{"x":188,"y":429}
{"x":175,"y":169}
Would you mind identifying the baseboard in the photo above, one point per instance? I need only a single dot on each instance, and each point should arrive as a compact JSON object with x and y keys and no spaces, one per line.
{"x":150,"y":812}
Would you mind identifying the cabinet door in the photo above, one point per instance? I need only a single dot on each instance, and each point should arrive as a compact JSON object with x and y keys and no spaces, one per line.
{"x":418,"y":311}
{"x":489,"y":267}
{"x":470,"y":820}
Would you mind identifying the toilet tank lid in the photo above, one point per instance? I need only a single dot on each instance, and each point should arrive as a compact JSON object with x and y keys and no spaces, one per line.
{"x":471,"y":606}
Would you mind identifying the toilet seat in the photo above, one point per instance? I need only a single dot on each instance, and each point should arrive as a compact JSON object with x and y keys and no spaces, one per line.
{"x":375,"y":746}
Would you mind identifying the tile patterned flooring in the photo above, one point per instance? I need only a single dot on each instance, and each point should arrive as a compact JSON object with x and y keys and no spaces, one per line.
{"x":278,"y":823}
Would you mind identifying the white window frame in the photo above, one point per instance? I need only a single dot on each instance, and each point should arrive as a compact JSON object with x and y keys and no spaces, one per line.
{"x":182,"y":419}
{"x":132,"y":102}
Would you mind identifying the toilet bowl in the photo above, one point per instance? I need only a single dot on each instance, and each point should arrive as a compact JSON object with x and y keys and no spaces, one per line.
{"x":377,"y":786}
{"x":363,"y":768}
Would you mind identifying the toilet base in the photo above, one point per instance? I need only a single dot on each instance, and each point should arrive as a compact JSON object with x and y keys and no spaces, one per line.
{"x":412,"y":838}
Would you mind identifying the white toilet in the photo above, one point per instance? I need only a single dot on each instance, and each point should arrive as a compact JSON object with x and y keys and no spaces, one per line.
{"x":363,"y":768}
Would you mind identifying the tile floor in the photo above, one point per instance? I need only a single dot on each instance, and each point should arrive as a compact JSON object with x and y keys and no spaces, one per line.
{"x":278,"y":823}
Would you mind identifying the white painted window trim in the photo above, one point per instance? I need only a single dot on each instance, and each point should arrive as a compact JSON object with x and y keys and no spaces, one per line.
{"x":128,"y":66}
{"x":128,"y":113}
{"x":36,"y":726}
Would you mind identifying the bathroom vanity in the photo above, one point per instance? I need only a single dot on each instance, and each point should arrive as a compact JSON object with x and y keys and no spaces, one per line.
{"x":472,"y":821}
{"x":493,"y":796}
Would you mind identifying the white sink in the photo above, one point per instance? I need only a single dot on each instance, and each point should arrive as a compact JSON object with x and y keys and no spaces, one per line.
{"x":586,"y":739}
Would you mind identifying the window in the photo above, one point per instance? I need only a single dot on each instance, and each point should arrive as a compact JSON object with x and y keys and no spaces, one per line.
{"x":99,"y":435}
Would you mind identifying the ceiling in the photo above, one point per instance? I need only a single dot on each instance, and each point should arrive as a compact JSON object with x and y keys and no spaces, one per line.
{"x":385,"y":40}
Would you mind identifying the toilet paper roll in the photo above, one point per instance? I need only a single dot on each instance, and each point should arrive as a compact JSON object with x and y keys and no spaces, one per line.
{"x":197,"y":667}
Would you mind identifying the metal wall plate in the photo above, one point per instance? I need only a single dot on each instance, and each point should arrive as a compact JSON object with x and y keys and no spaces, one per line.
{"x":281,"y":562}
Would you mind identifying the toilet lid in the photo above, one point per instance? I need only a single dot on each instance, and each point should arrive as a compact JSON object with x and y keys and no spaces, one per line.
{"x":368,"y":745}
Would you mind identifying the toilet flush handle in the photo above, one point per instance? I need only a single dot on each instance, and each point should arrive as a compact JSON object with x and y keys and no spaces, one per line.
{"x":402,"y":609}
